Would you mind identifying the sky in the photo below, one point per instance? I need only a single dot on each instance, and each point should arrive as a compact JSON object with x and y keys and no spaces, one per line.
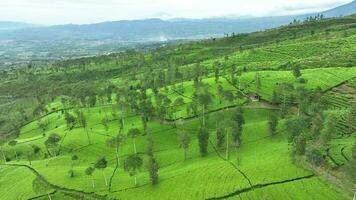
{"x":50,"y":12}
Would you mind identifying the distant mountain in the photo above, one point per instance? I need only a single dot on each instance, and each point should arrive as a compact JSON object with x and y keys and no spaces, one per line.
{"x":147,"y":30}
{"x":344,"y":10}
{"x":157,"y":29}
{"x":7,"y":26}
{"x":21,"y":42}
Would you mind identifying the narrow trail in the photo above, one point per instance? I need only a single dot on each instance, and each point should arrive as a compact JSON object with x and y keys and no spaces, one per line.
{"x":66,"y":191}
{"x":259,"y":186}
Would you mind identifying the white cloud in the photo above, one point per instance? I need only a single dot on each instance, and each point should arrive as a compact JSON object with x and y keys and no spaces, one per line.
{"x":89,"y":11}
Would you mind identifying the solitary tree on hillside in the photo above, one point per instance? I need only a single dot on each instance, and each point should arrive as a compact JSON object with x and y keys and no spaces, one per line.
{"x":83,"y":122}
{"x":102,"y":164}
{"x":153,"y":170}
{"x":296,"y":71}
{"x":89,"y":172}
{"x":133,"y":133}
{"x":272,"y":124}
{"x":184,"y":142}
{"x":204,"y":99}
{"x":70,"y":120}
{"x":258,"y":83}
{"x":203,"y":138}
{"x":52,"y":143}
{"x":220,"y":137}
{"x":132,"y":165}
{"x":116,"y":143}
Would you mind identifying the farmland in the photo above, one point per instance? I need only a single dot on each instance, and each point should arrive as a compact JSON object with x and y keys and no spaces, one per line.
{"x":263,"y":115}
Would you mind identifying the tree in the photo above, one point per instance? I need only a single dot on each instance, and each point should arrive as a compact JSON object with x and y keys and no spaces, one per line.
{"x":315,"y":157}
{"x":329,"y":128}
{"x":13,"y":143}
{"x":116,"y":143}
{"x":203,"y":138}
{"x":236,"y":133}
{"x":153,"y":170}
{"x":296,"y":71}
{"x":258,"y":83}
{"x":83,"y":122}
{"x":220,"y":137}
{"x":317,"y":124}
{"x":70,"y":120}
{"x":74,"y":158}
{"x":132,"y":165}
{"x":89,"y":172}
{"x":102,"y":164}
{"x":133,"y":133}
{"x":299,"y":144}
{"x":184,"y":142}
{"x":204,"y":99}
{"x":294,"y":127}
{"x":52,"y":143}
{"x":272,"y":124}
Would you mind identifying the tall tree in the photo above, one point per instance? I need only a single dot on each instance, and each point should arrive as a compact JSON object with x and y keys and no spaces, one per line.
{"x":132,"y":165}
{"x":89,"y":172}
{"x":101,"y":164}
{"x":52,"y":143}
{"x":117,"y":142}
{"x":204,"y":99}
{"x":272,"y":124}
{"x":83,"y":122}
{"x":203,"y":138}
{"x":258,"y":83}
{"x":296,"y":71}
{"x":184,"y":142}
{"x":133,"y":133}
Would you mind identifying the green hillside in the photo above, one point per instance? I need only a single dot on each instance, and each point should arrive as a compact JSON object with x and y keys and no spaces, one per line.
{"x":265,"y":115}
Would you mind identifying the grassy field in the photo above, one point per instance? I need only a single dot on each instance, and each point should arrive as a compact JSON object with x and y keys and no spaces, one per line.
{"x":261,"y":167}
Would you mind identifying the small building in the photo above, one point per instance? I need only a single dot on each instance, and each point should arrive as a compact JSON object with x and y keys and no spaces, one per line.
{"x":254,"y":97}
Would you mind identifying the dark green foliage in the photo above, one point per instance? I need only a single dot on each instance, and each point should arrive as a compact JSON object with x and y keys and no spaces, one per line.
{"x":272,"y":124}
{"x":153,"y":170}
{"x":220,"y":137}
{"x":101,"y":164}
{"x":317,"y":124}
{"x":184,"y":142}
{"x":315,"y":156}
{"x":299,"y":145}
{"x":71,"y":173}
{"x":132,"y":165}
{"x":89,"y":171}
{"x":295,"y":127}
{"x":329,"y":128}
{"x":296,"y":71}
{"x":203,"y":139}
{"x":52,"y":143}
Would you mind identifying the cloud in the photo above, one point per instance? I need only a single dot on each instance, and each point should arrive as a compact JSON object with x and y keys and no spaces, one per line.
{"x":90,"y":11}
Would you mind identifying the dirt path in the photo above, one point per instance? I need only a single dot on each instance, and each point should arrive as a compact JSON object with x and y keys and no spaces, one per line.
{"x":259,"y":186}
